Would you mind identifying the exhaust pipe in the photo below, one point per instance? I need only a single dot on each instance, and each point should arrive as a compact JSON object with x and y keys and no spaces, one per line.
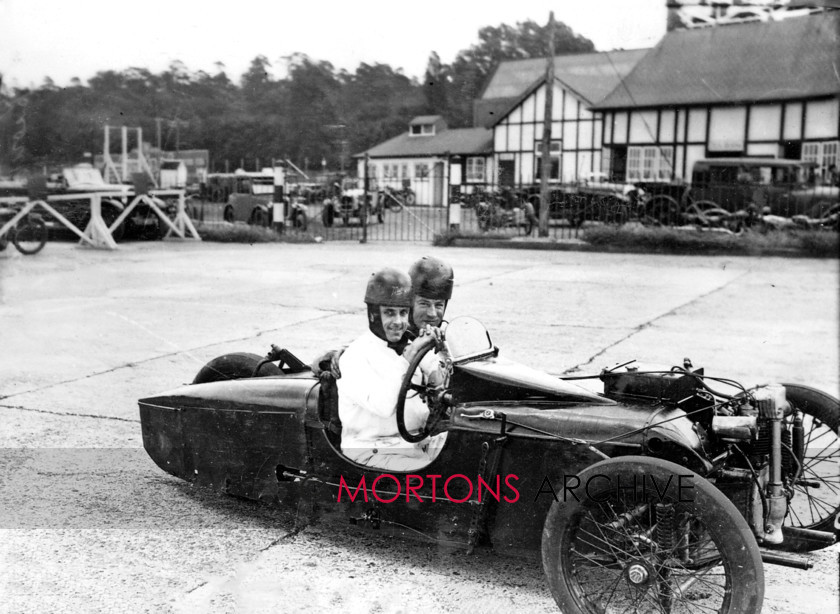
{"x":785,"y":560}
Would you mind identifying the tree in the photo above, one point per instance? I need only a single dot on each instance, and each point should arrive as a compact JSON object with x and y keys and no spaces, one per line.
{"x":435,"y":86}
{"x":472,"y":67}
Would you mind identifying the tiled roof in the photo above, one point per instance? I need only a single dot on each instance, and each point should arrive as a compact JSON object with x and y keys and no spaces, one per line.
{"x":425,"y":119}
{"x":795,"y":57}
{"x":487,"y":112}
{"x":590,"y":75}
{"x":463,"y":141}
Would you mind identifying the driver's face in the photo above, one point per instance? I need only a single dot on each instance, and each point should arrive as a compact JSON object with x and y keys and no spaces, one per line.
{"x":427,"y":311}
{"x":394,"y":322}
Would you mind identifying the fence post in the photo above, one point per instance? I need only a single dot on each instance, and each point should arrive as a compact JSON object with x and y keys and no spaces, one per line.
{"x":365,"y":201}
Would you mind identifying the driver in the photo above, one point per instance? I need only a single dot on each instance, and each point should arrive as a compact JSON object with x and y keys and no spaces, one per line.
{"x":373,"y":367}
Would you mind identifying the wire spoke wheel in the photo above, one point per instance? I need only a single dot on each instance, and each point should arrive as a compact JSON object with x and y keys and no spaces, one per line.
{"x":633,"y":544}
{"x":816,"y":500}
{"x":30,"y":235}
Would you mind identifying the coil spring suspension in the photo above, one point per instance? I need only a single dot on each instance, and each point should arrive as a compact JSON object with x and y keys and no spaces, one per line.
{"x":664,"y":533}
{"x":763,"y":446}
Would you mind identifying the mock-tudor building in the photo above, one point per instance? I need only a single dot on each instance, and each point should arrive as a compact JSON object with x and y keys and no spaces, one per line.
{"x":768,"y":89}
{"x":513,"y":104}
{"x":756,"y":88}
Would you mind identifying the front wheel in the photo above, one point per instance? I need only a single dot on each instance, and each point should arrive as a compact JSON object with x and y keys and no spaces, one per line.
{"x":816,"y":500}
{"x":30,"y":235}
{"x":643,"y":534}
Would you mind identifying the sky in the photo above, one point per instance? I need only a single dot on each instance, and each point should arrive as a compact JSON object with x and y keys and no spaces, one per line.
{"x":63,"y":39}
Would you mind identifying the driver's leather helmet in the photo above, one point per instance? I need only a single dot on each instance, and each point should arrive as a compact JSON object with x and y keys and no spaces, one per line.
{"x":387,"y":288}
{"x":431,"y":279}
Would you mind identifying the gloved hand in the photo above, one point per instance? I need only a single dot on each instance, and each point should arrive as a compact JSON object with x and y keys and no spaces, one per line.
{"x":328,"y":362}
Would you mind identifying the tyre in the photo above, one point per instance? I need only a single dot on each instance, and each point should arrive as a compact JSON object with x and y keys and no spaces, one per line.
{"x":410,"y":199}
{"x":662,"y":210}
{"x":707,"y":213}
{"x":816,"y":500}
{"x":632,"y":540}
{"x":258,"y":218}
{"x":30,"y":235}
{"x":238,"y":365}
{"x":228,"y":215}
{"x":300,"y":222}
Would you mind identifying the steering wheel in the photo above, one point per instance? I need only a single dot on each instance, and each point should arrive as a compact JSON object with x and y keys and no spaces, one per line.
{"x":436,"y":400}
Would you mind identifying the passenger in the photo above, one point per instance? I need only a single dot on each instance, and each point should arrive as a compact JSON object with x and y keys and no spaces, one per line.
{"x":373,"y":367}
{"x":431,"y":284}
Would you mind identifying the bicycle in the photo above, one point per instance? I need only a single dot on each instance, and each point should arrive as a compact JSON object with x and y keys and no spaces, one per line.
{"x":29,"y":234}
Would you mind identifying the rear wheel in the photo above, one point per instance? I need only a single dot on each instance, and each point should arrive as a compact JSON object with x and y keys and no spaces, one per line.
{"x":643,"y":534}
{"x":662,"y":210}
{"x":258,"y":217}
{"x":228,"y":215}
{"x":30,"y":235}
{"x":300,"y":221}
{"x":238,"y":365}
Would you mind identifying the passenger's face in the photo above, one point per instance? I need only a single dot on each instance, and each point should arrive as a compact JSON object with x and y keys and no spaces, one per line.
{"x":428,"y":311}
{"x":394,"y":321}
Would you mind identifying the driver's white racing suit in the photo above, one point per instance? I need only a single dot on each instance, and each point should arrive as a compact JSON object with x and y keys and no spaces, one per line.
{"x":371,"y":374}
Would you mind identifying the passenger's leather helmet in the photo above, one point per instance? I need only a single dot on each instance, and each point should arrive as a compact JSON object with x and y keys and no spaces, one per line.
{"x":432,"y":278}
{"x":389,"y":287}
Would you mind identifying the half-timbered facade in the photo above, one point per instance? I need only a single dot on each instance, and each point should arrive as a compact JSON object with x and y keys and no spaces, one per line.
{"x":760,"y":89}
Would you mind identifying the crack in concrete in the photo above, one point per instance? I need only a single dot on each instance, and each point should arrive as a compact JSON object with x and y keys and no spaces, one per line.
{"x":650,"y":322}
{"x":69,"y":414}
{"x":132,"y":364}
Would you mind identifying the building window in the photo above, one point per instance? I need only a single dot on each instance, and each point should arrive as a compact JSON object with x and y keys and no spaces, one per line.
{"x":475,"y":170}
{"x":823,"y":154}
{"x":555,"y":160}
{"x":422,"y":130}
{"x":650,"y":163}
{"x":421,"y":171}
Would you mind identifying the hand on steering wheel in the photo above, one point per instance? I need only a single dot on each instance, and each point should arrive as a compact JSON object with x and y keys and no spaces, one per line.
{"x":434,"y":391}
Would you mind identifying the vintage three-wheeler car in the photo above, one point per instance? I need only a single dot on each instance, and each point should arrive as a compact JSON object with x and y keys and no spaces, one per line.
{"x":665,"y":493}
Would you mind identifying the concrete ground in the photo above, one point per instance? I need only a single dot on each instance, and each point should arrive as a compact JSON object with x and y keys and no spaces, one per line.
{"x":89,"y":524}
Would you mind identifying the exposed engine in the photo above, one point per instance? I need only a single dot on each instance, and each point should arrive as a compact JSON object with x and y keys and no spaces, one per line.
{"x":753,"y":438}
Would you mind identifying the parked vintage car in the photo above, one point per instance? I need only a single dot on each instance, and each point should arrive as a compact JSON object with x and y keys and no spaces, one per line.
{"x":747,"y":188}
{"x":593,"y":198}
{"x":254,"y":197}
{"x":664,"y":493}
{"x":346,"y":204}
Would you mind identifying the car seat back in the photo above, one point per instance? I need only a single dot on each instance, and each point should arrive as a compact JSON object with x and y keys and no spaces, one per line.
{"x":328,"y":408}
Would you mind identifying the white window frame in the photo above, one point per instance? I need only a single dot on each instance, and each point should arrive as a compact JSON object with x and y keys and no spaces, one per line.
{"x":476,"y":169}
{"x":422,"y":130}
{"x":421,"y":171}
{"x":823,"y":153}
{"x":650,"y":163}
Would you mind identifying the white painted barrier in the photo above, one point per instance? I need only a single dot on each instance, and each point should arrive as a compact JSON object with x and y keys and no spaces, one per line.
{"x":97,"y":233}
